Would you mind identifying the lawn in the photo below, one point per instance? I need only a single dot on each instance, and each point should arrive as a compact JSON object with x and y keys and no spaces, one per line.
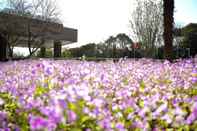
{"x":95,"y":96}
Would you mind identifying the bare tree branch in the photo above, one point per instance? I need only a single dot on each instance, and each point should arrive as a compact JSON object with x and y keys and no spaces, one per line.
{"x":147,"y":23}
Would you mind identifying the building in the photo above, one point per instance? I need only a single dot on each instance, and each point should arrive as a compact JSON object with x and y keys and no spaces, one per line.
{"x":53,"y":34}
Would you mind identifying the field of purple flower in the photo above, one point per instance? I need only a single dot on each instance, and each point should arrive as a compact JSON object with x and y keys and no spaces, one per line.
{"x":96,"y":96}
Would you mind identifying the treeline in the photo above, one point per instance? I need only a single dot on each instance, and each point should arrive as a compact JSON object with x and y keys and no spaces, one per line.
{"x":93,"y":50}
{"x":121,"y":45}
{"x":114,"y":47}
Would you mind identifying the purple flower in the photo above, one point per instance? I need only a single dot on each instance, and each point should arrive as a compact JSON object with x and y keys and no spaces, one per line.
{"x":138,"y":124}
{"x":71,"y":116}
{"x":120,"y":127}
{"x":193,"y":116}
{"x":6,"y":129}
{"x":105,"y":123}
{"x":96,"y":111}
{"x":88,"y":129}
{"x":37,"y":123}
{"x":194,"y":80}
{"x":190,"y":119}
{"x":62,"y":103}
{"x":3,"y":119}
{"x":98,"y":102}
{"x":49,"y":71}
{"x":167,"y":118}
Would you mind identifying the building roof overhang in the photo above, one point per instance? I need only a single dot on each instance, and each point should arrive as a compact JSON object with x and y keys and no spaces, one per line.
{"x":51,"y":31}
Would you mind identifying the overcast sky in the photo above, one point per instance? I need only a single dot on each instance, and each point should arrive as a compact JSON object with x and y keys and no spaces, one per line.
{"x":96,"y":20}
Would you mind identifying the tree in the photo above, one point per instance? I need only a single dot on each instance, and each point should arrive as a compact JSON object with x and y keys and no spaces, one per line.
{"x":115,"y":43}
{"x":67,"y":54}
{"x":89,"y":50}
{"x":147,"y":24}
{"x":189,"y":33}
{"x":111,"y":45}
{"x":20,"y":7}
{"x":44,"y":10}
{"x":103,"y":50}
{"x":168,"y":6}
{"x":48,"y":53}
{"x":123,"y":40}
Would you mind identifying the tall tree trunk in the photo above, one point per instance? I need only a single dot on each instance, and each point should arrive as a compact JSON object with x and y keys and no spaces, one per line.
{"x":3,"y":48}
{"x":168,"y":28}
{"x":10,"y":53}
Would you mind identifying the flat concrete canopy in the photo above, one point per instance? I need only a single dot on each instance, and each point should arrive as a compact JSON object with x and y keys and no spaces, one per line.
{"x":50,"y":31}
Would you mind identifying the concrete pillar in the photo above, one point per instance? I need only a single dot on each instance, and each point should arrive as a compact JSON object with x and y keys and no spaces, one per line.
{"x":42,"y":51}
{"x":57,"y":48}
{"x":3,"y":48}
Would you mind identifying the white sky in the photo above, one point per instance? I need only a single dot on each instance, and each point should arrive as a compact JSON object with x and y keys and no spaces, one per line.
{"x":185,"y":11}
{"x":96,"y":20}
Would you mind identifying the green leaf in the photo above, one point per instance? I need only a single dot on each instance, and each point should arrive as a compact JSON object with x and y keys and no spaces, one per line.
{"x":84,"y":119}
{"x":141,"y":103}
{"x":40,"y":91}
{"x":142,"y":86}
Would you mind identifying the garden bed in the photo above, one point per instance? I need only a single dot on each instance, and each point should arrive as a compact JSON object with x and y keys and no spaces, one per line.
{"x":80,"y":95}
